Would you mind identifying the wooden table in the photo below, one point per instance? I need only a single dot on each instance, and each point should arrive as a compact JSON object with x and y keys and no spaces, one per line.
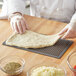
{"x":41,"y":26}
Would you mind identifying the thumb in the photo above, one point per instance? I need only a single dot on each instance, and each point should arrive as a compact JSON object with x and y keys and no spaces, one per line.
{"x":67,"y":34}
{"x":63,"y":31}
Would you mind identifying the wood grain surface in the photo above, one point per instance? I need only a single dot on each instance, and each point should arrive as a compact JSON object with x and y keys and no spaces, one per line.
{"x":41,"y":26}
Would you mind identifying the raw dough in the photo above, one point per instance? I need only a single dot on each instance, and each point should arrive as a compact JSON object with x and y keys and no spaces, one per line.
{"x":32,"y":39}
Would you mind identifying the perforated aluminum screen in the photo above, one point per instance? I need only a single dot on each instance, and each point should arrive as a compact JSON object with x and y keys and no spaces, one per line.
{"x":54,"y":51}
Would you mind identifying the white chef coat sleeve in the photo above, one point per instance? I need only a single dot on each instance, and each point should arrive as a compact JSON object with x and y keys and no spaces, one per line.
{"x":4,"y":11}
{"x":73,"y":19}
{"x":16,"y":6}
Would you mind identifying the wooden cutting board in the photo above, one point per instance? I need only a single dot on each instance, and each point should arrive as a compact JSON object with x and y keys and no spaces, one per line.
{"x":41,"y":26}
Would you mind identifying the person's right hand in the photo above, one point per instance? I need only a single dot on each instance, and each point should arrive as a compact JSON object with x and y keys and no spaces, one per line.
{"x":18,"y":24}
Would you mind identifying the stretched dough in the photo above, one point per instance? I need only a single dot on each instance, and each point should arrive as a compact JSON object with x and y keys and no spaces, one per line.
{"x":32,"y":39}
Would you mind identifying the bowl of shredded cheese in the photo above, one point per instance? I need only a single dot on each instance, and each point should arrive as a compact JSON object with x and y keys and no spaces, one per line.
{"x":44,"y":69}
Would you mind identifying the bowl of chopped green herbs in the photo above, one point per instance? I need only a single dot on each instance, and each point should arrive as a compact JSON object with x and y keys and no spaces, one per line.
{"x":12,"y":65}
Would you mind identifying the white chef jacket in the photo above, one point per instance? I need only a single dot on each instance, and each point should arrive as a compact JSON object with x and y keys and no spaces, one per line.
{"x":61,"y":10}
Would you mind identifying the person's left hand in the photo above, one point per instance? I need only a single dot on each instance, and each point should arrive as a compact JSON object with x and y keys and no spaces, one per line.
{"x":69,"y":31}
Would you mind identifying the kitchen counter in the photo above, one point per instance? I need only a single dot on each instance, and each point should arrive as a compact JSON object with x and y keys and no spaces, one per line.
{"x":41,"y":26}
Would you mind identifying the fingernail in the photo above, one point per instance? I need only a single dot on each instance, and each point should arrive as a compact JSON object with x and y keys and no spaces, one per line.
{"x":60,"y":33}
{"x":62,"y":38}
{"x":28,"y":28}
{"x":16,"y":32}
{"x":20,"y":32}
{"x":23,"y":32}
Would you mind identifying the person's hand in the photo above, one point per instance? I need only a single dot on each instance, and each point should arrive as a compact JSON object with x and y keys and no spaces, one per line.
{"x":18,"y":24}
{"x":69,"y":31}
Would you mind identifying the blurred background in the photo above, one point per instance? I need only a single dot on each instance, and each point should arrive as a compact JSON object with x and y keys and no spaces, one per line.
{"x":1,"y":3}
{"x":27,"y":11}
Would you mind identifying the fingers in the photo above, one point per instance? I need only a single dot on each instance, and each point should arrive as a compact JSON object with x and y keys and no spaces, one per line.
{"x":23,"y":26}
{"x":26,"y":24}
{"x":16,"y":27}
{"x":63,"y":31}
{"x":18,"y":24}
{"x":11,"y":23}
{"x":67,"y":34}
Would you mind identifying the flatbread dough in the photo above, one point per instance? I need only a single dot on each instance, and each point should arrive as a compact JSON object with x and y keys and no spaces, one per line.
{"x":32,"y":39}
